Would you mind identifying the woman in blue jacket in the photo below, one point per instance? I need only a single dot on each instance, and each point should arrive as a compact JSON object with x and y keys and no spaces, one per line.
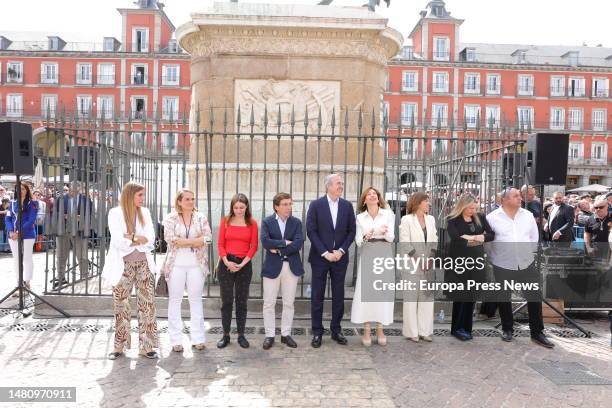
{"x":27,"y":231}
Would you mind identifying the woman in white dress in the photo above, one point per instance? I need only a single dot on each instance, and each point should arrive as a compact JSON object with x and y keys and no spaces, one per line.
{"x":375,"y":224}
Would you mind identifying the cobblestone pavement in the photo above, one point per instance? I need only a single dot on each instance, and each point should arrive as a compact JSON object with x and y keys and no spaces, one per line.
{"x":446,"y":373}
{"x":485,"y":372}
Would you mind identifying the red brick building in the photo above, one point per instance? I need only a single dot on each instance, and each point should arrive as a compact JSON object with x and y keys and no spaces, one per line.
{"x":439,"y":82}
{"x":144,"y":76}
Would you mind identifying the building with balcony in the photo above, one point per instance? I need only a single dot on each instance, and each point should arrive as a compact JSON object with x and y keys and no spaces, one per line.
{"x":142,"y":78}
{"x":439,"y":85}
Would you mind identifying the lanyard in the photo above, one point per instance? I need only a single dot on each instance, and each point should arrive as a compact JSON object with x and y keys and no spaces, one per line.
{"x":187,"y":228}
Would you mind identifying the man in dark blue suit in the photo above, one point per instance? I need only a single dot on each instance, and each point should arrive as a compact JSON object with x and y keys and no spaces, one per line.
{"x":282,"y":239}
{"x":330,"y":226}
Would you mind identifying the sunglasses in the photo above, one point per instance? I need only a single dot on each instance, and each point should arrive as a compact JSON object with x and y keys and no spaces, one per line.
{"x":601,"y":207}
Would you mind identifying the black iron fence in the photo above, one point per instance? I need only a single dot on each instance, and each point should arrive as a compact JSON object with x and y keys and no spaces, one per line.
{"x":82,"y":166}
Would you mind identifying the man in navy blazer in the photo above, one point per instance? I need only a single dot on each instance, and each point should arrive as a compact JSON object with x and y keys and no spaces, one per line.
{"x":330,"y":226}
{"x":282,"y":239}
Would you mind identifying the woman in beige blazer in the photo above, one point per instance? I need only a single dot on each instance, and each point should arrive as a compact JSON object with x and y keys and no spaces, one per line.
{"x":419,"y":229}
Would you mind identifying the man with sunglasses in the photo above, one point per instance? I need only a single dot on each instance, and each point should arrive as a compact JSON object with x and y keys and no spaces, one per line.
{"x":598,"y":227}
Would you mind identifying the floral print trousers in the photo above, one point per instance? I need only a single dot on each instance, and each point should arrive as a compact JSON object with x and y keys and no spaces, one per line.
{"x":138,"y":273}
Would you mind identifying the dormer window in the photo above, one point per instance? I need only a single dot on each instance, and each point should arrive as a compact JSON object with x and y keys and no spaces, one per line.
{"x":56,"y":44}
{"x":572,"y":58}
{"x":407,"y":52}
{"x":521,"y":57}
{"x":140,"y":40}
{"x":469,"y":54}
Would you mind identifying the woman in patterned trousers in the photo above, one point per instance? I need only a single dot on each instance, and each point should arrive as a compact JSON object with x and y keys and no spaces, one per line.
{"x":130,"y":262}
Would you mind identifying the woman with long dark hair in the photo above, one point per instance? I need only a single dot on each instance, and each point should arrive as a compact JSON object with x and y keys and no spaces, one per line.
{"x":130,"y":262}
{"x":237,"y":244}
{"x":27,"y":230}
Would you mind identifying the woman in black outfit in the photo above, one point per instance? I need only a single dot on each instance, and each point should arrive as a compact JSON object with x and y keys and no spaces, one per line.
{"x":468,"y":231}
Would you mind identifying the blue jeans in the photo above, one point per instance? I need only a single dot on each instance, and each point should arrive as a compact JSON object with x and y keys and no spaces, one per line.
{"x":4,"y":246}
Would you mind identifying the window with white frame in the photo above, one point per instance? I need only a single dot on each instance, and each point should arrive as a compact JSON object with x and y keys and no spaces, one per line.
{"x":48,"y":107}
{"x":170,"y":107}
{"x":14,"y":105}
{"x":525,"y":85}
{"x":105,"y":107}
{"x":598,"y":119}
{"x":575,"y":118}
{"x":521,"y":57}
{"x":169,"y":143}
{"x":440,"y":82}
{"x":83,"y":105}
{"x":493,"y":84}
{"x":441,"y":47}
{"x":471,"y":115}
{"x":106,"y":74}
{"x":470,"y":55}
{"x":139,"y":107}
{"x":492,"y":116}
{"x":140,"y":40}
{"x":49,"y":73}
{"x":525,"y":117}
{"x":471,"y":83}
{"x":439,"y":146}
{"x":439,"y":114}
{"x":14,"y":72}
{"x":557,"y":118}
{"x":409,"y":149}
{"x":599,"y":151}
{"x":84,"y":74}
{"x":409,"y":114}
{"x":171,"y":75}
{"x":410,"y":81}
{"x":576,"y":151}
{"x":138,"y":140}
{"x":600,"y":87}
{"x":139,"y":74}
{"x":557,"y":85}
{"x":576,"y":87}
{"x":470,"y":147}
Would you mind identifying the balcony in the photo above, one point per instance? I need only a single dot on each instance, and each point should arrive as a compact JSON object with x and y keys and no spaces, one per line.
{"x":49,"y":80}
{"x":170,"y":81}
{"x":140,"y":80}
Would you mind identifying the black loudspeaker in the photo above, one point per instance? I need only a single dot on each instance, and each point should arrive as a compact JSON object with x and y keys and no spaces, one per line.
{"x":86,"y":163}
{"x":547,"y":158}
{"x":16,"y":156}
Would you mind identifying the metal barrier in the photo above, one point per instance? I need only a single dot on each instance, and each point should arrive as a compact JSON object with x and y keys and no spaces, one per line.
{"x":84,"y":163}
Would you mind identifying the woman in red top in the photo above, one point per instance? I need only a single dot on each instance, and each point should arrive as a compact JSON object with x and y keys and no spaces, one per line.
{"x":237,"y":245}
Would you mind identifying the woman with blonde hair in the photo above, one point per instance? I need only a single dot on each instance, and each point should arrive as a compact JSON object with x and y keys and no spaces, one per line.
{"x":129,"y":262}
{"x":418,"y":228}
{"x":187,"y":233}
{"x":468,"y":231}
{"x":375,"y":229}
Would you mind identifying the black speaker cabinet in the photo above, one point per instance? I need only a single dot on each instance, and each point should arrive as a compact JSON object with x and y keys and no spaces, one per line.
{"x":16,"y":156}
{"x":547,"y":158}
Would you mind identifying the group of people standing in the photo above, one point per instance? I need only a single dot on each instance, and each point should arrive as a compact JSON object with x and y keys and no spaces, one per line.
{"x":331,"y":227}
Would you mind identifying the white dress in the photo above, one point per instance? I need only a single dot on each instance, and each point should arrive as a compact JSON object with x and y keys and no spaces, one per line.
{"x":380,"y":312}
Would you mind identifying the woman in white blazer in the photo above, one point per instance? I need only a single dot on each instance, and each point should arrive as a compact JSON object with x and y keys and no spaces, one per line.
{"x":129,"y":262}
{"x":417,"y":227}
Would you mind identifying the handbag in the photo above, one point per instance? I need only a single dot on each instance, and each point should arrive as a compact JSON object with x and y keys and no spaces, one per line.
{"x":161,"y":289}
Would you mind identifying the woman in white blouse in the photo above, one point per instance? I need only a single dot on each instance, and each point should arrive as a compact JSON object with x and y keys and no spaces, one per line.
{"x":418,"y":227}
{"x":186,"y":265}
{"x":375,"y":224}
{"x":129,"y":262}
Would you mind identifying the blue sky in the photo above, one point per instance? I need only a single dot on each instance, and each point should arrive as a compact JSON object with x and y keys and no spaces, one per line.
{"x":551,"y":22}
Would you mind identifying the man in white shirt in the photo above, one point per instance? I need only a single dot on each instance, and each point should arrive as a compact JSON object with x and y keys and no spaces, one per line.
{"x":511,"y":253}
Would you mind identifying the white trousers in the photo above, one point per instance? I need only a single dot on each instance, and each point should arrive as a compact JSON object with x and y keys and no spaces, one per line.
{"x":418,"y":319}
{"x":194,"y":279}
{"x":286,"y":282}
{"x":28,"y":261}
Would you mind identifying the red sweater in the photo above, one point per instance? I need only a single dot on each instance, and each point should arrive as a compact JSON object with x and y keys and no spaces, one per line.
{"x":238,"y":241}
